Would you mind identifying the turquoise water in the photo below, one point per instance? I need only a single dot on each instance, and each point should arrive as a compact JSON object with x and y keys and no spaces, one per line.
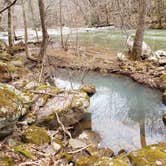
{"x":115,"y":39}
{"x":121,"y":110}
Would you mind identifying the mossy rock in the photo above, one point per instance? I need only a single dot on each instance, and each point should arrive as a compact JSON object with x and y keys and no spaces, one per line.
{"x":7,"y":161}
{"x":48,"y":89}
{"x":102,"y":161}
{"x":16,"y":49}
{"x":5,"y":75}
{"x":119,"y":161}
{"x":36,"y":135}
{"x":86,"y":161}
{"x":71,"y":106}
{"x":24,"y":150}
{"x":13,"y":105}
{"x":153,"y":155}
{"x":5,"y":56}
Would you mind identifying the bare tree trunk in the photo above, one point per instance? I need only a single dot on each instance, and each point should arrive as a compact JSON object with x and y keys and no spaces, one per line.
{"x":10,"y":38}
{"x":137,"y":47}
{"x":44,"y":43}
{"x":61,"y":24}
{"x":33,"y":19}
{"x":25,"y":28}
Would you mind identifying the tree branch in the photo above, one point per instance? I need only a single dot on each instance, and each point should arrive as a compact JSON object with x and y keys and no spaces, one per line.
{"x":10,"y":5}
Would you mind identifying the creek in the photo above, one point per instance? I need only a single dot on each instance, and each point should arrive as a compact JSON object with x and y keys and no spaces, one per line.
{"x":126,"y":114}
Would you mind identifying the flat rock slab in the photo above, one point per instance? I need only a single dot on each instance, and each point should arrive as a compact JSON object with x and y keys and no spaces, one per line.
{"x":70,"y":106}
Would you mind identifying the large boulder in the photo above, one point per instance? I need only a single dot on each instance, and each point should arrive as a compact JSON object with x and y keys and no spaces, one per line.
{"x":146,"y":50}
{"x":70,"y":106}
{"x":13,"y":105}
{"x":53,"y":104}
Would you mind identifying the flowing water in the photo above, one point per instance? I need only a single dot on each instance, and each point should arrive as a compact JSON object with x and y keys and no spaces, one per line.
{"x":116,"y":39}
{"x":125,"y":113}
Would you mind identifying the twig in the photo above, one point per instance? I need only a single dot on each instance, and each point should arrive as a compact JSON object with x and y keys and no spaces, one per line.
{"x":63,"y":127}
{"x":29,"y":163}
{"x":43,"y":93}
{"x":79,"y":150}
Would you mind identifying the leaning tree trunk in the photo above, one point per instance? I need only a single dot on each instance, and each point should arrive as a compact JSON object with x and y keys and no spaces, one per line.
{"x":137,"y":47}
{"x":44,"y":43}
{"x":10,"y":38}
{"x":25,"y":28}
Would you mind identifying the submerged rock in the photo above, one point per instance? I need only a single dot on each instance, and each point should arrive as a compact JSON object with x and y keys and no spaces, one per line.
{"x":13,"y":105}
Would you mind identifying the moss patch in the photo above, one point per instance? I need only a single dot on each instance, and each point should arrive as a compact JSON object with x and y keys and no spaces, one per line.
{"x":24,"y":150}
{"x":36,"y":135}
{"x":7,"y":161}
{"x":151,"y":155}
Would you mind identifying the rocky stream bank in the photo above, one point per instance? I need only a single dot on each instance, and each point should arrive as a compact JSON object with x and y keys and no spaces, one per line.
{"x":37,"y":120}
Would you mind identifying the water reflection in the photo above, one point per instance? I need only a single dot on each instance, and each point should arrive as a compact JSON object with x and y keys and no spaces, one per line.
{"x":126,"y":114}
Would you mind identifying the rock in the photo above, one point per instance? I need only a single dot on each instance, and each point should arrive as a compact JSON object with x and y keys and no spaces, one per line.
{"x":103,"y":161}
{"x":121,"y":57}
{"x":3,"y":45}
{"x":77,"y":143}
{"x":5,"y":75}
{"x":52,"y":149}
{"x":5,"y":56}
{"x":146,"y":50}
{"x":153,"y":59}
{"x":149,"y":155}
{"x":69,"y":105}
{"x":162,"y":61}
{"x":164,"y":119}
{"x":17,"y":63}
{"x":160,"y":53}
{"x":163,"y":81}
{"x":13,"y":105}
{"x":90,"y":137}
{"x":164,"y":97}
{"x":89,"y":89}
{"x":100,"y":152}
{"x":36,"y":135}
